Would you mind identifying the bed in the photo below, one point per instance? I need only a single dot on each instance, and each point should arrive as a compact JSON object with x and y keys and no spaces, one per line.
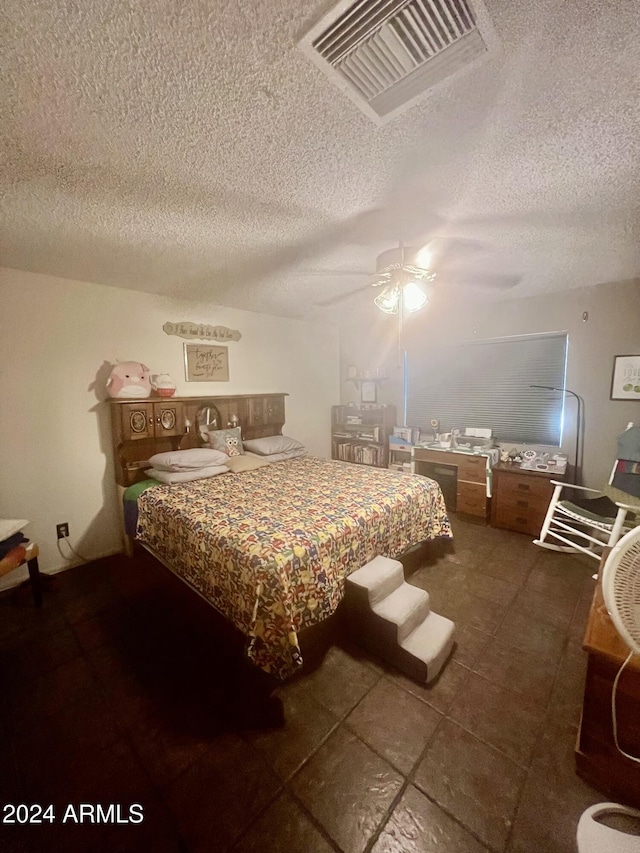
{"x":270,"y":548}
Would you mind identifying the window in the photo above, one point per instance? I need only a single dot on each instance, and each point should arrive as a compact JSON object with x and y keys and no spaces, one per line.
{"x":488,"y":384}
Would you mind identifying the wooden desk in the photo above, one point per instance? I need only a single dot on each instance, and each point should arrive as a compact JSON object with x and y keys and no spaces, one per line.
{"x":597,"y":759}
{"x":9,"y":564}
{"x":468,"y":477}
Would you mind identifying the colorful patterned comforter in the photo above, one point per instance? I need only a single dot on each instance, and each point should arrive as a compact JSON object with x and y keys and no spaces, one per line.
{"x":270,"y":548}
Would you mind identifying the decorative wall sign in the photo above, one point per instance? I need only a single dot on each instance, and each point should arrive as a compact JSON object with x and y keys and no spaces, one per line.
{"x":625,"y":382}
{"x":199,"y":330}
{"x":204,"y":363}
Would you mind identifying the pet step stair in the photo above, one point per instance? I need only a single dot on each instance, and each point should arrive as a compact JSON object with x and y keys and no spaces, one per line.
{"x":394,"y":619}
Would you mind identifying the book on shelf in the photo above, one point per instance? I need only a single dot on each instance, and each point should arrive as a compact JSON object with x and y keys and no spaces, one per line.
{"x":364,"y":453}
{"x":365,"y":434}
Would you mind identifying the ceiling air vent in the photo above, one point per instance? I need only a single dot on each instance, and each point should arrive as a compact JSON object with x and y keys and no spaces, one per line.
{"x":385,"y":54}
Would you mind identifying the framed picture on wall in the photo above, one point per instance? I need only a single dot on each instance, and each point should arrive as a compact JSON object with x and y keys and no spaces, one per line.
{"x":368,"y":392}
{"x":204,"y":363}
{"x":625,"y":381}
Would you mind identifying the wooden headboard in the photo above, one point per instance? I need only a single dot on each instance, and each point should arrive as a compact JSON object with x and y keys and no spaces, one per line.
{"x":141,"y":428}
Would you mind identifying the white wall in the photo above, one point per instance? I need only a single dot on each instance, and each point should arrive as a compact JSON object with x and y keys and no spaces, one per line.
{"x":56,"y":335}
{"x":612,"y":328}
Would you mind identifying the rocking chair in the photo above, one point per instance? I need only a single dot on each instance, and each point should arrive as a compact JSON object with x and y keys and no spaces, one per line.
{"x":590,"y":524}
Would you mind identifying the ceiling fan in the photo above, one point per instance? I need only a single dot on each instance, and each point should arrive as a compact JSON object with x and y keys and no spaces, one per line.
{"x":404,"y":271}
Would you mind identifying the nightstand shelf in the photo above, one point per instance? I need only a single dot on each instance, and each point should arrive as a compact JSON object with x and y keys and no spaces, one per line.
{"x":401,"y":457}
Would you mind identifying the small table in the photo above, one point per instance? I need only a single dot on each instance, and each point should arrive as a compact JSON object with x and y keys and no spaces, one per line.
{"x":8,"y":564}
{"x":597,"y":758}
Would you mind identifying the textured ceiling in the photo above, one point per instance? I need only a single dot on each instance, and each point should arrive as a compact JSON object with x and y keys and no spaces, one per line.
{"x":189,"y":148}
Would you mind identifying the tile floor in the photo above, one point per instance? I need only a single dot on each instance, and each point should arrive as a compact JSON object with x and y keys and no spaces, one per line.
{"x":126,"y":689}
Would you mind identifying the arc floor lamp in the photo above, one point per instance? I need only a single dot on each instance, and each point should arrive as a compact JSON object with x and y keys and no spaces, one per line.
{"x":579,"y":451}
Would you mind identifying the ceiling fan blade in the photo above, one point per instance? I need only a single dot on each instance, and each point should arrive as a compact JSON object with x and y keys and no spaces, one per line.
{"x":341,"y":273}
{"x":479,"y":280}
{"x":446,"y":249}
{"x":342,"y":297}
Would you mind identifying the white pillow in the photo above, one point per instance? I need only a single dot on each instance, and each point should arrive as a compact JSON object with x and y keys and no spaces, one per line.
{"x":271,"y":444}
{"x":173,"y":477}
{"x":188,"y":460}
{"x":281,"y":457}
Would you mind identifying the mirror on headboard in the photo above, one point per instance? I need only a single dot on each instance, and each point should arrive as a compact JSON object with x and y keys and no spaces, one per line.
{"x":208,"y":418}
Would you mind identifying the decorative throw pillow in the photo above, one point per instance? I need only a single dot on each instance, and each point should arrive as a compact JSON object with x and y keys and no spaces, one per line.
{"x":273,"y":444}
{"x":229,"y":441}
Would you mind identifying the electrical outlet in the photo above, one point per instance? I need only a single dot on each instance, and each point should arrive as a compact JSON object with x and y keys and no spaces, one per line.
{"x":62,"y":530}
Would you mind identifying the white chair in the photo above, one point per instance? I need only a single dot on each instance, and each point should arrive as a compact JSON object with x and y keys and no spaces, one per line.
{"x":590,"y":524}
{"x":596,"y":836}
{"x":584,"y":524}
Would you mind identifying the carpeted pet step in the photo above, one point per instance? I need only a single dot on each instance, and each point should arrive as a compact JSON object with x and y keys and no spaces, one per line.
{"x":394,"y":620}
{"x":379,"y":577}
{"x":431,"y":643}
{"x":406,"y":607}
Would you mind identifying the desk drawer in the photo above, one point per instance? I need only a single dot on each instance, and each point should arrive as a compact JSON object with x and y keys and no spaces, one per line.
{"x":512,"y":486}
{"x":525,"y":519}
{"x":472,"y":499}
{"x":438,"y":457}
{"x":472,"y":468}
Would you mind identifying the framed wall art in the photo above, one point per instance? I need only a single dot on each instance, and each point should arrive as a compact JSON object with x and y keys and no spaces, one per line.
{"x":204,"y":363}
{"x":368,"y":392}
{"x":625,"y":381}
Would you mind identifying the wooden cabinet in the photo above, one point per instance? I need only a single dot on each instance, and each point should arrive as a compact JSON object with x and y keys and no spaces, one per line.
{"x":361,"y":435}
{"x":141,"y":428}
{"x":598,"y":760}
{"x":151,"y":419}
{"x":462,"y":478}
{"x":520,"y":497}
{"x":264,"y":410}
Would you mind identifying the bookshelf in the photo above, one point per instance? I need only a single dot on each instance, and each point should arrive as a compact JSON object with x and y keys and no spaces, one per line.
{"x":360,"y":434}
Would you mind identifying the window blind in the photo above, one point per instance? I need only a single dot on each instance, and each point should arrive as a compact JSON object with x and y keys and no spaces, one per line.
{"x":487,"y":384}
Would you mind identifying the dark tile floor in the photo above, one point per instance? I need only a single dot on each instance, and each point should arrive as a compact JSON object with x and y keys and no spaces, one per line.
{"x":125,"y":688}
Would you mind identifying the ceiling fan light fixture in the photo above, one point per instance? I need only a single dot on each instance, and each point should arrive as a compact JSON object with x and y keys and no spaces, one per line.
{"x":389,"y":299}
{"x":411,"y":294}
{"x":413,"y":297}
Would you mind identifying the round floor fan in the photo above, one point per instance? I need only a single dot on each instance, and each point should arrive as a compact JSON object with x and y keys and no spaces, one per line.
{"x":621,"y":592}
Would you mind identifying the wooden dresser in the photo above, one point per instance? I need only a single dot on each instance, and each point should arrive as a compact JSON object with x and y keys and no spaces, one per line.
{"x":520,"y":497}
{"x":597,"y":759}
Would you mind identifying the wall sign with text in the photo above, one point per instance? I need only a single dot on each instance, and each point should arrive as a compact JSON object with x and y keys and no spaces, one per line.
{"x":200,"y":330}
{"x":203,"y":363}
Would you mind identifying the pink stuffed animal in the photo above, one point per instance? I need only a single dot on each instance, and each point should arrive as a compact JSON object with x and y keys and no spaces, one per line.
{"x":129,"y":379}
